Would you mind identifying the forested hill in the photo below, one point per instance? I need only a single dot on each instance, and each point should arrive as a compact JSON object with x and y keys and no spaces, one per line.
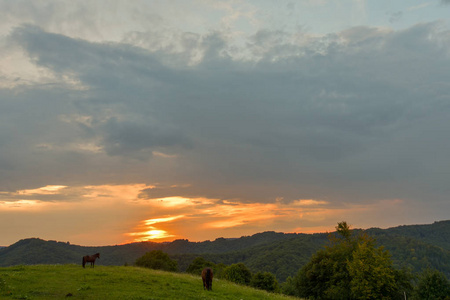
{"x":416,"y":246}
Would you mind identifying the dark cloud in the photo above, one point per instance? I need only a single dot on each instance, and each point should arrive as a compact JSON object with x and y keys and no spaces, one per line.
{"x":350,"y":116}
{"x":125,"y":137}
{"x":395,"y":16}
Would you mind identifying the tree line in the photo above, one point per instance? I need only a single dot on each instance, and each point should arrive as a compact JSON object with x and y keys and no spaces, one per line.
{"x":350,"y":266}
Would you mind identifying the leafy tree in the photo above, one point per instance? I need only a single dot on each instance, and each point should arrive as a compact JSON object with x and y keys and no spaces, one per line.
{"x":433,"y":285}
{"x":371,"y":272}
{"x":289,"y":288}
{"x":157,"y":260}
{"x":198,"y":265}
{"x":351,"y":267}
{"x":265,"y":281}
{"x":238,"y":273}
{"x":326,"y":276}
{"x":219,"y":270}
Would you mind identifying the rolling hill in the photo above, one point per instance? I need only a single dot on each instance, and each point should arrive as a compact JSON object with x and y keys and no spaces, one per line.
{"x":415,"y":246}
{"x":115,"y":282}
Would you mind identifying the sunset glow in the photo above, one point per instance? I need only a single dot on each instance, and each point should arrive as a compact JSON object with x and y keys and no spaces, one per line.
{"x":167,"y":218}
{"x":154,"y":234}
{"x":19,"y":204}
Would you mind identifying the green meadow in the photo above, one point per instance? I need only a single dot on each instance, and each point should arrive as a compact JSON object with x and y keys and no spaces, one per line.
{"x":114,"y":282}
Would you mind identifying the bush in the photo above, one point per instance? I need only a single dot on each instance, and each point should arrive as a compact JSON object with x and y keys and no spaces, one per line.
{"x":219,"y":270}
{"x":289,"y":288}
{"x":198,"y":265}
{"x":265,"y":281}
{"x":238,"y":273}
{"x":433,"y":285}
{"x":157,"y":260}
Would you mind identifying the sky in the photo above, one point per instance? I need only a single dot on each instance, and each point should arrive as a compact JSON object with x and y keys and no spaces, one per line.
{"x":127,"y":121}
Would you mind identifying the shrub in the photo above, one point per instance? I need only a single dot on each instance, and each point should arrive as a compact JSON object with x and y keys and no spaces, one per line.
{"x":157,"y":260}
{"x":198,"y":265}
{"x":265,"y":281}
{"x":238,"y":273}
{"x":289,"y":288}
{"x":433,"y":285}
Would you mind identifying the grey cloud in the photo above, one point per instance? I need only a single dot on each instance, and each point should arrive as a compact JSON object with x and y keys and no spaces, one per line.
{"x":395,"y":16}
{"x":124,"y":65}
{"x":122,"y":138}
{"x":169,"y":191}
{"x":304,"y":120}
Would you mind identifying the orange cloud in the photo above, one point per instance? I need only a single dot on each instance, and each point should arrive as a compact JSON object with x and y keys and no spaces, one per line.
{"x":161,"y":220}
{"x":46,"y":190}
{"x":147,"y":231}
{"x":231,"y":214}
{"x":309,"y":202}
{"x":20,"y":204}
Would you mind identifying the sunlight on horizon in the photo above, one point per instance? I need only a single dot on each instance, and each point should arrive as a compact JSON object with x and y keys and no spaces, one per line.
{"x":154,"y":234}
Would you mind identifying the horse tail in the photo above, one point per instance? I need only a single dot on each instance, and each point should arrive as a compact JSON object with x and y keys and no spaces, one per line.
{"x":84,"y":262}
{"x":207,"y":276}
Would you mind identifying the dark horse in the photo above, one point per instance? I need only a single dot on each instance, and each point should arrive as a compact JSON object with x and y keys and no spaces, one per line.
{"x":207,"y":277}
{"x":91,"y":259}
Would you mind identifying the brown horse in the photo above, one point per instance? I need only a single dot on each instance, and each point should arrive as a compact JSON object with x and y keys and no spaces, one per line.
{"x":207,"y":277}
{"x":91,"y":259}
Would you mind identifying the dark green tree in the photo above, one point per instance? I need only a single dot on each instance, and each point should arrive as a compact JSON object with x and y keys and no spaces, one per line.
{"x":289,"y":287}
{"x":434,"y":285}
{"x":350,"y":267}
{"x":265,"y":281}
{"x":219,"y":270}
{"x":157,"y":260}
{"x":371,"y":272}
{"x":238,"y":273}
{"x":198,"y":264}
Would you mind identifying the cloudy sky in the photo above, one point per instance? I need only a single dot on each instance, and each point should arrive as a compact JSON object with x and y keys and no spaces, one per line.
{"x":126,"y":121}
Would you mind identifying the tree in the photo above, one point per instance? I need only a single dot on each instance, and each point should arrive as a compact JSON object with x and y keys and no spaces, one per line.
{"x":289,"y":287}
{"x":198,"y":265}
{"x":371,"y":272}
{"x":157,"y":260}
{"x":351,"y":267}
{"x":433,"y":285}
{"x":265,"y":281}
{"x":238,"y":273}
{"x":219,"y":270}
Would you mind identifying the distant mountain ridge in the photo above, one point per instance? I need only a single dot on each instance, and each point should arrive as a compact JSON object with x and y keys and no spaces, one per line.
{"x":413,"y":246}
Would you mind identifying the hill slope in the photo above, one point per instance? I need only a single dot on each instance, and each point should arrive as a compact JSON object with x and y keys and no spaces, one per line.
{"x":64,"y":281}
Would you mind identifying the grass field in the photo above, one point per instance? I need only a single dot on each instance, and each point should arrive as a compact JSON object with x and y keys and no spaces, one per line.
{"x":112,"y":282}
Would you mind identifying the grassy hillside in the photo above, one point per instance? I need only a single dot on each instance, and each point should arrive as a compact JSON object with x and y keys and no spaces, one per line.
{"x":113,"y":282}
